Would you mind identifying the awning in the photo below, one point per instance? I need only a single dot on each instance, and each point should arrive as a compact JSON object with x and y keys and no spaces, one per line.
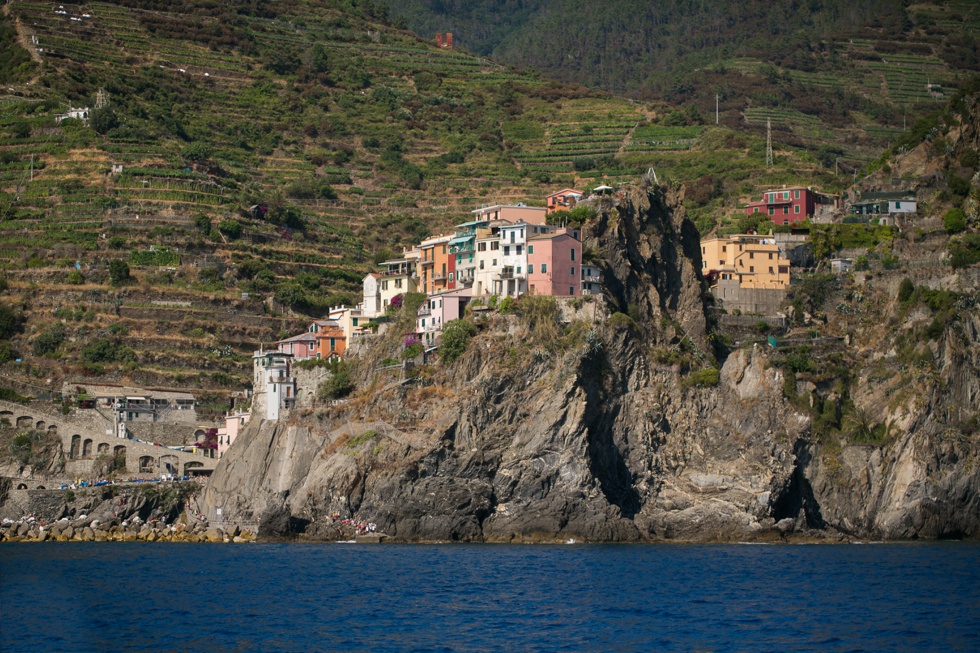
{"x":461,"y":239}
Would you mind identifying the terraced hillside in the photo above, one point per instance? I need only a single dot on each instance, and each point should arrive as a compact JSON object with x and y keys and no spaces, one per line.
{"x":249,"y":164}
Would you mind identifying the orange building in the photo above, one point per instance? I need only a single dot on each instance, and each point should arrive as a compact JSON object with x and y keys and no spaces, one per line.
{"x":436,"y":265}
{"x":330,"y":339}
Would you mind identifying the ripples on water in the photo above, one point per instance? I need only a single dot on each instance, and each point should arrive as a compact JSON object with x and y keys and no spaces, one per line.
{"x":333,"y":597}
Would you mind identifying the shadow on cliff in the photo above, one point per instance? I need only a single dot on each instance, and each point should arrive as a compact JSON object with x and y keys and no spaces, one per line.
{"x":798,"y":495}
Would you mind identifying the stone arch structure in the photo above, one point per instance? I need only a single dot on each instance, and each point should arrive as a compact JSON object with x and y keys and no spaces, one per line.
{"x":7,"y":415}
{"x":146,"y":465}
{"x":119,"y":450}
{"x":22,"y":486}
{"x":24,"y":421}
{"x":192,"y":465}
{"x":76,"y":446}
{"x":103,"y":449}
{"x":53,"y":429}
{"x":41,"y":487}
{"x":170,"y":464}
{"x":200,"y":433}
{"x":87,"y":448}
{"x":40,"y":425}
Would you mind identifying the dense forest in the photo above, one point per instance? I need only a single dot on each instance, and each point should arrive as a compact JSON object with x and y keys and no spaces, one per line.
{"x":655,"y":50}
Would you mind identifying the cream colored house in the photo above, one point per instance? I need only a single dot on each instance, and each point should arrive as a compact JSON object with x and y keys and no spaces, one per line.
{"x":753,"y":261}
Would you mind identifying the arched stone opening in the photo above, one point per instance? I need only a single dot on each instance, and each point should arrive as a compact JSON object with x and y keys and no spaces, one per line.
{"x":53,"y":429}
{"x":146,"y":465}
{"x":191,"y":466}
{"x":6,"y":418}
{"x":22,"y":486}
{"x":24,"y":421}
{"x":87,"y":448}
{"x":170,"y":465}
{"x":41,"y":487}
{"x":76,"y":444}
{"x":200,"y":433}
{"x":103,"y":449}
{"x":40,"y":426}
{"x":119,"y":450}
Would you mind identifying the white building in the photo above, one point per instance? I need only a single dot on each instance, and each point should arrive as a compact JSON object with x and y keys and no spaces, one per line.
{"x":396,"y":278}
{"x":273,"y":387}
{"x":591,"y":280}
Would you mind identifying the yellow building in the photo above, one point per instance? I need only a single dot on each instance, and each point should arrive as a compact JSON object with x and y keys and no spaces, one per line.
{"x":752,"y":261}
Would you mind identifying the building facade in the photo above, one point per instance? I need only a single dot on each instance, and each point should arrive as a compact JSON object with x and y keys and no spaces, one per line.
{"x":752,"y":261}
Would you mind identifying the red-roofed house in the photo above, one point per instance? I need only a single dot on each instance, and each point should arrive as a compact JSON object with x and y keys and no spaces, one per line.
{"x":301,"y":347}
{"x":563,"y":200}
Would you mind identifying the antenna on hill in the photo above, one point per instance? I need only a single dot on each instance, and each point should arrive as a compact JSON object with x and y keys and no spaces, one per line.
{"x":768,"y":143}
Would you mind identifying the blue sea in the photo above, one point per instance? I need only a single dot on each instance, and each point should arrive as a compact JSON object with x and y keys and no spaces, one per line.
{"x":69,"y":597}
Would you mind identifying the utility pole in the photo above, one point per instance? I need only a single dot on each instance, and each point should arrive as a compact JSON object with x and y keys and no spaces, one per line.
{"x":768,"y":143}
{"x":32,"y":167}
{"x":716,"y":108}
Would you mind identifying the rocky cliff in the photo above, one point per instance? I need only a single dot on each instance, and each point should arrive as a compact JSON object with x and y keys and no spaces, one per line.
{"x":604,"y":421}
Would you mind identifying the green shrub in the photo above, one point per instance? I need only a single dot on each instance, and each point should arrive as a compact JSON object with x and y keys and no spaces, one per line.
{"x":48,"y":341}
{"x":118,"y":271}
{"x":965,"y":250}
{"x":905,"y":290}
{"x":456,"y":335}
{"x":340,"y":384}
{"x":7,"y":352}
{"x":954,"y":221}
{"x":10,"y":395}
{"x":75,"y":278}
{"x":230,"y":228}
{"x":412,"y":351}
{"x":619,"y":321}
{"x":705,"y":378}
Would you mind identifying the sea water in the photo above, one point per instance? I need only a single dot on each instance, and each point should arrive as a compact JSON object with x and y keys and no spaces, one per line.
{"x":343,"y":597}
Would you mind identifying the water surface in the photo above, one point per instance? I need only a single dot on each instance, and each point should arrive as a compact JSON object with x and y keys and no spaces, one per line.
{"x":336,"y":597}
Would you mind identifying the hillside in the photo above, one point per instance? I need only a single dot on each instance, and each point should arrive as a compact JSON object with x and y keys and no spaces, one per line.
{"x":358,"y":137}
{"x":839,"y":75}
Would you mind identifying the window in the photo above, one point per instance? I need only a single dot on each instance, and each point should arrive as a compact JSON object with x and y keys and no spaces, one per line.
{"x":481,"y":247}
{"x":495,"y":245}
{"x":530,"y":249}
{"x":384,"y":285}
{"x":530,"y":268}
{"x":785,"y":210}
{"x":751,"y":268}
{"x":796,"y":195}
{"x":518,"y":269}
{"x":898,"y":205}
{"x":724,"y":248}
{"x":481,"y":263}
{"x":572,"y":271}
{"x":786,"y":195}
{"x":494,"y":264}
{"x":506,"y":250}
{"x":573,"y":253}
{"x":512,"y":236}
{"x":796,"y":209}
{"x":751,"y":254}
{"x":770,"y":269}
{"x":443,"y":249}
{"x":770,"y":256}
{"x":772,"y":211}
{"x":452,"y":276}
{"x":755,"y":210}
{"x":544,"y":268}
{"x":520,"y":250}
{"x":571,"y":291}
{"x":423,"y":322}
{"x":398,"y":283}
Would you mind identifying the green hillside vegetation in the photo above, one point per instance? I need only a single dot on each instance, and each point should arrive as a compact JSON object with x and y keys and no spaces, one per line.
{"x":251,"y":162}
{"x":840,"y":77}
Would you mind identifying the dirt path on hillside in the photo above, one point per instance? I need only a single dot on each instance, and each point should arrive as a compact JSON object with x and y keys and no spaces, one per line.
{"x":23,"y":39}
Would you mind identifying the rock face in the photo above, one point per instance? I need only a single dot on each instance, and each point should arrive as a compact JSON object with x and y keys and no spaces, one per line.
{"x":589,"y":431}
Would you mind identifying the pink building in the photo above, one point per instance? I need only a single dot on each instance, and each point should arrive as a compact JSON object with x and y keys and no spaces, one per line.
{"x":234,"y":423}
{"x":301,"y":347}
{"x":563,"y":200}
{"x":439,"y":309}
{"x":554,"y":264}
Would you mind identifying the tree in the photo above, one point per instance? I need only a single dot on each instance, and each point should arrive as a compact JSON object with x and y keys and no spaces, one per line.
{"x":102,"y":120}
{"x":48,"y":341}
{"x":9,"y":322}
{"x":203,"y":223}
{"x":456,"y":334}
{"x":118,"y":271}
{"x":75,"y":278}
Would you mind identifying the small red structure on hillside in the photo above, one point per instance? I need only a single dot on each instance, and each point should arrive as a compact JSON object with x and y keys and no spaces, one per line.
{"x":445,"y":40}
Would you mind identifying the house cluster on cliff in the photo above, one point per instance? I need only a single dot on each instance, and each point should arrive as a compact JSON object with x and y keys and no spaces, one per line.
{"x":507,"y":251}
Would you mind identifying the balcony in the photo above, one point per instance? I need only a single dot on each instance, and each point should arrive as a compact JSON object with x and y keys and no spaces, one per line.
{"x":423,"y":311}
{"x":427,"y":263}
{"x":438,"y":276}
{"x":466,"y":282}
{"x":590,"y":279}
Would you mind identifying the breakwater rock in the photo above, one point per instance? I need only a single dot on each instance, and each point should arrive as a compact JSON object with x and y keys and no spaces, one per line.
{"x":85,"y":529}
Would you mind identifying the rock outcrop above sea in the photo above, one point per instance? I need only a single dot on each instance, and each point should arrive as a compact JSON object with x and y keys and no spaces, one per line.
{"x":594,"y":431}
